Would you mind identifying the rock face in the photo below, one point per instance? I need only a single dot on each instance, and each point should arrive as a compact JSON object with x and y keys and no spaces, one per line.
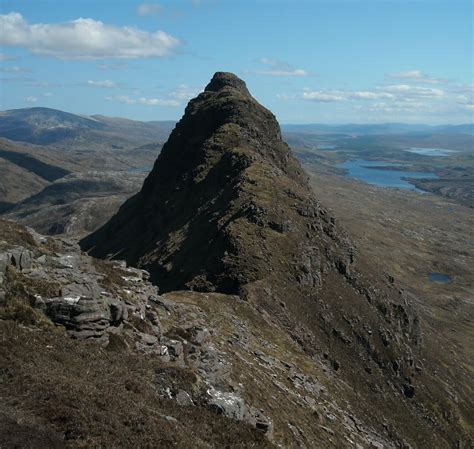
{"x":227,"y":209}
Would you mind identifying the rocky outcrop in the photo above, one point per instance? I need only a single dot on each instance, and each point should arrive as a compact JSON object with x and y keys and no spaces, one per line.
{"x":117,"y":307}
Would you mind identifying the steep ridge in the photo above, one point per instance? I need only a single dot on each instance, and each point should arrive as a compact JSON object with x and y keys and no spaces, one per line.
{"x":228,"y":209}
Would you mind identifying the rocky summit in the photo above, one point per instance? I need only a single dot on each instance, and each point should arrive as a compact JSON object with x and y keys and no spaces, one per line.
{"x":226,"y":205}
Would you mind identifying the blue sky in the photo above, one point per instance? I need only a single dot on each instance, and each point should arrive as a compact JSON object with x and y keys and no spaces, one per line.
{"x":320,"y":61}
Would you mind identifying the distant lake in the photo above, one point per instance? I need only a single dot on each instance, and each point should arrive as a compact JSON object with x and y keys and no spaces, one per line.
{"x":439,"y":277}
{"x":368,"y":172}
{"x":431,"y":151}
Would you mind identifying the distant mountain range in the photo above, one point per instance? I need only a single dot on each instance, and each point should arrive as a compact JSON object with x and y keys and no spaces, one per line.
{"x":44,"y":126}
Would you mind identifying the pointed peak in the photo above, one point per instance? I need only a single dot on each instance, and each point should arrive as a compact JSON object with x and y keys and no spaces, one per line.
{"x":220,"y":80}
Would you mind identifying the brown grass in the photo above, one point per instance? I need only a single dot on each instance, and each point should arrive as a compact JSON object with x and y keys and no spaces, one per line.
{"x":16,"y":234}
{"x":78,"y":395}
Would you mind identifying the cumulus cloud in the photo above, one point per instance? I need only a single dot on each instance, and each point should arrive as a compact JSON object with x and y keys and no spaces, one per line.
{"x":466,"y":100}
{"x":84,"y":39}
{"x":173,"y":98}
{"x":405,"y":90}
{"x":185,"y":93}
{"x":144,"y":101}
{"x":149,"y":9}
{"x":31,"y":99}
{"x":396,"y":92}
{"x":339,"y":95}
{"x":105,"y":84}
{"x":395,"y":106}
{"x":467,"y":89}
{"x":416,"y":76}
{"x":395,"y":100}
{"x":274,"y":67}
{"x":321,"y":96}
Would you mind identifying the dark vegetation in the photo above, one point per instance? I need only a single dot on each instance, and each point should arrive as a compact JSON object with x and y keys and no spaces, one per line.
{"x":78,"y":395}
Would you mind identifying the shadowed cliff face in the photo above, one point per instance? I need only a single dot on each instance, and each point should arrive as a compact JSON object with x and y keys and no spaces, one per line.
{"x":228,"y":209}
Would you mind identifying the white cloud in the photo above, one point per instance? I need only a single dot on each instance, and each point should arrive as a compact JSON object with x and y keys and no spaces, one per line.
{"x":396,"y":101}
{"x":144,"y":101}
{"x":31,"y":99}
{"x":466,"y":101}
{"x":47,"y":94}
{"x":413,"y":91}
{"x":173,"y":98}
{"x":185,"y":93}
{"x":105,"y":84}
{"x":340,"y":95}
{"x":84,"y":39}
{"x":149,"y":9}
{"x":397,"y":92}
{"x":279,"y":68}
{"x":416,"y":76}
{"x":368,"y":95}
{"x":396,"y":106}
{"x":467,"y":89}
{"x":321,"y":96}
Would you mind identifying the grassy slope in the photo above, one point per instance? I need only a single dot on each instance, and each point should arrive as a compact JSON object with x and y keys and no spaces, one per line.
{"x":410,"y":234}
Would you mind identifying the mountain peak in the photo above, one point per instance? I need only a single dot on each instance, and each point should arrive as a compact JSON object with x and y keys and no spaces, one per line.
{"x":221,"y":80}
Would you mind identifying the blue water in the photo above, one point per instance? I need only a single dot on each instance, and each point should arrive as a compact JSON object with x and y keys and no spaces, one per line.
{"x":366,"y":171}
{"x":431,"y":151}
{"x":440,"y":277}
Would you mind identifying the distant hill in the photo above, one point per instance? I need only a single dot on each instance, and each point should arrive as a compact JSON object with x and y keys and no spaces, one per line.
{"x":45,"y":126}
{"x":77,"y":203}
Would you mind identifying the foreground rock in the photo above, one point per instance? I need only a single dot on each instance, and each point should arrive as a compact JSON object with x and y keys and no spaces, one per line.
{"x":45,"y":282}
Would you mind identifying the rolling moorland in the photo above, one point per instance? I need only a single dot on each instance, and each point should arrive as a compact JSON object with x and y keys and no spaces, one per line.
{"x":263,"y":350}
